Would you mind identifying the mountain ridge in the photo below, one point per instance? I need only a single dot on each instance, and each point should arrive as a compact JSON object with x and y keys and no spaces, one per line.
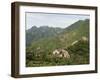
{"x":65,"y":38}
{"x":36,"y":33}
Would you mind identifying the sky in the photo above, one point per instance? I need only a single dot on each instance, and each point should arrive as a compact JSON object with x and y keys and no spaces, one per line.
{"x":52,"y":19}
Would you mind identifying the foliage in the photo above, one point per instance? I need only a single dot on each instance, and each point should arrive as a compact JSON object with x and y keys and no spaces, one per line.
{"x":79,"y":52}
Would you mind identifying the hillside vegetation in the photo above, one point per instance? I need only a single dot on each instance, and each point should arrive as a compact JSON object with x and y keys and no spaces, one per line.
{"x":41,"y":42}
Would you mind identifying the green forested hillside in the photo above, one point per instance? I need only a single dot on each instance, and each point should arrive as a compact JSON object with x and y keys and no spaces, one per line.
{"x":36,"y":33}
{"x":74,"y":39}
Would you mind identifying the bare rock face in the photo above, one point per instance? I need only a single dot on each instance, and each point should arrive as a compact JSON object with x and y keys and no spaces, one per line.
{"x":65,"y":53}
{"x":61,"y":53}
{"x":84,"y":38}
{"x":74,"y":42}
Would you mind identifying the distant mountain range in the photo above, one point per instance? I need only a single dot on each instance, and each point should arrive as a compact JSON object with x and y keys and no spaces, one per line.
{"x":58,"y":36}
{"x":35,"y":33}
